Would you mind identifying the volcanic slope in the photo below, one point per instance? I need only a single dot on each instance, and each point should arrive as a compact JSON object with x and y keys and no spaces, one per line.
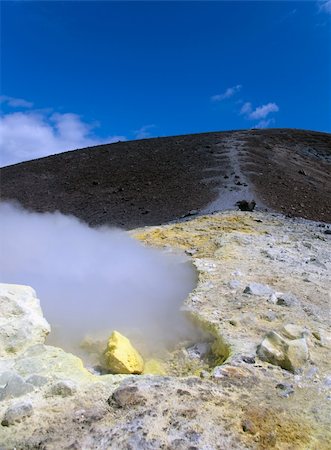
{"x":155,"y":181}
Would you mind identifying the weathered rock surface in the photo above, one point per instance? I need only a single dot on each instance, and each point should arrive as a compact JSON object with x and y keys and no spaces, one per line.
{"x":21,"y":321}
{"x":290,"y":355}
{"x":244,"y":402}
{"x":17,"y":413}
{"x":121,"y":356}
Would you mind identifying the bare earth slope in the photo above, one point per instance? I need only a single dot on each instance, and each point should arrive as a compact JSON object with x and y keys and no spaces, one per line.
{"x":154,"y":181}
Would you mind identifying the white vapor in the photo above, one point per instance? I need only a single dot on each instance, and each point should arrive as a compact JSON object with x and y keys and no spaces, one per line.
{"x":230,"y":92}
{"x":264,"y":123}
{"x":92,"y":281}
{"x":34,"y":134}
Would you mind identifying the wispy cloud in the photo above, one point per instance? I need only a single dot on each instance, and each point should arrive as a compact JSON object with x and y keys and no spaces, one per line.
{"x":143,"y":132}
{"x":230,"y":92}
{"x":29,"y":135}
{"x":15,"y":102}
{"x":325,"y":6}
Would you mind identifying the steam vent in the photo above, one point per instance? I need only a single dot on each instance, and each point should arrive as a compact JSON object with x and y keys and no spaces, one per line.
{"x":246,"y":364}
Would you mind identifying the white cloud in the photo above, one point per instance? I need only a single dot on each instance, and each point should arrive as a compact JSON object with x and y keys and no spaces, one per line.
{"x":143,"y":133}
{"x":263,"y":111}
{"x":15,"y":102}
{"x":33,"y":134}
{"x":260,"y":113}
{"x":325,"y":6}
{"x":230,"y":92}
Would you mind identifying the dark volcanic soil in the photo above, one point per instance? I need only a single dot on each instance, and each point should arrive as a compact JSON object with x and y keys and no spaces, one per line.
{"x":153,"y":181}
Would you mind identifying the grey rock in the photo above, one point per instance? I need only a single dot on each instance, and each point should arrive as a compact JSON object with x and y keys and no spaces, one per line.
{"x":14,"y":386}
{"x":248,"y":427}
{"x":311,"y":373}
{"x":21,"y":321}
{"x":258,"y":289}
{"x":127,"y":396}
{"x":64,"y":388}
{"x":286,"y":299}
{"x":291,"y":331}
{"x":288,"y":354}
{"x":286,"y":389}
{"x":198,"y":350}
{"x":270,"y":316}
{"x":234,"y":284}
{"x":17,"y":413}
{"x":37,"y":380}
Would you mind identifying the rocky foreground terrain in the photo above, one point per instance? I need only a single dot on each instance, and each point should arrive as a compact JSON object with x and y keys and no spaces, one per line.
{"x":258,"y":375}
{"x":263,"y":300}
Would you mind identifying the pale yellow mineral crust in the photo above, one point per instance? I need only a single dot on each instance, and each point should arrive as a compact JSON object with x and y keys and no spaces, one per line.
{"x":121,"y":356}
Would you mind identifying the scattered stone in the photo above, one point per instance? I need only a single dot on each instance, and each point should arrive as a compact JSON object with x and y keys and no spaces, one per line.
{"x":248,"y":426}
{"x":228,"y":371}
{"x":291,"y":331}
{"x":204,"y":374}
{"x":191,"y":251}
{"x":324,"y":338}
{"x":258,"y":289}
{"x":37,"y":380}
{"x":121,"y":356}
{"x":234,"y":284}
{"x":270,"y":316}
{"x":13,"y":386}
{"x":199,"y":350}
{"x":17,"y":413}
{"x":87,"y":416}
{"x":312,"y":372}
{"x":288,"y":354}
{"x":64,"y":388}
{"x":316,"y":335}
{"x":286,"y":299}
{"x":248,"y":359}
{"x":127,"y":396}
{"x":244,"y":205}
{"x":21,"y":321}
{"x":327,"y":232}
{"x":286,"y":389}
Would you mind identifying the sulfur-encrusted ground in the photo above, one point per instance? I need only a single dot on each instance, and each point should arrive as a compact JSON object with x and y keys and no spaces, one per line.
{"x":258,"y":273}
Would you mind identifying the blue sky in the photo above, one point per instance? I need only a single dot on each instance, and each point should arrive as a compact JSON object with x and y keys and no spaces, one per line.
{"x":80,"y":73}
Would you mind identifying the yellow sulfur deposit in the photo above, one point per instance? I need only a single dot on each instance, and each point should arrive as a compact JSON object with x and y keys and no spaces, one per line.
{"x":154,"y":367}
{"x":121,"y":357}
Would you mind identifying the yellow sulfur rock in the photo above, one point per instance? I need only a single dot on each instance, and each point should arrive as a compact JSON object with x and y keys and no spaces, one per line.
{"x":121,"y":357}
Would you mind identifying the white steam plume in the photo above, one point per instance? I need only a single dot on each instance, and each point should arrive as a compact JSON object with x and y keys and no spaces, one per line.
{"x":92,"y":281}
